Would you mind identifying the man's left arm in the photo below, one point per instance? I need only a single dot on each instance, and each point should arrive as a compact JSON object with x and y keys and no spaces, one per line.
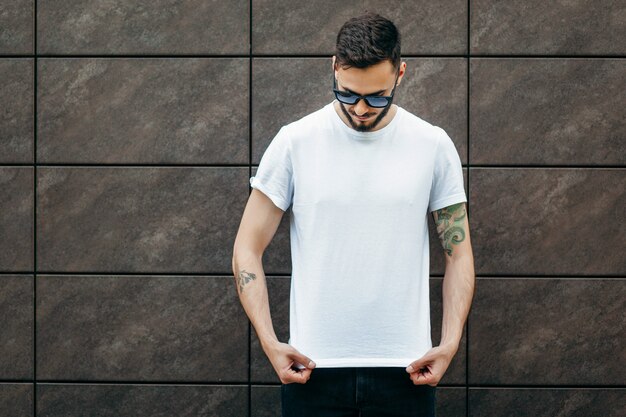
{"x":458,"y":290}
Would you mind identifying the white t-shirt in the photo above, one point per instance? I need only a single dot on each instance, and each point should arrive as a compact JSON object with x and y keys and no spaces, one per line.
{"x":359,"y":232}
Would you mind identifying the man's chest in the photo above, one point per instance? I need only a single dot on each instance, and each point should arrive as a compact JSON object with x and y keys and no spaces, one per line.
{"x":355,"y":175}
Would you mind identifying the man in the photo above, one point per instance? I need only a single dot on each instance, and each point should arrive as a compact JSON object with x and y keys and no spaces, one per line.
{"x":361,"y":175}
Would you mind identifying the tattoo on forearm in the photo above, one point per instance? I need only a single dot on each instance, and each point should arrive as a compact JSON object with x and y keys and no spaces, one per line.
{"x":450,"y":223}
{"x":244,"y":278}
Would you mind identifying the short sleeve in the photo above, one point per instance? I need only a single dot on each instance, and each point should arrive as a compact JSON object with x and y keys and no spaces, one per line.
{"x":448,"y":186}
{"x":274,"y":176}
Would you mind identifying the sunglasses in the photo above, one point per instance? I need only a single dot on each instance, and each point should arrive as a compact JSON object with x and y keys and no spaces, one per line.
{"x":347,"y":97}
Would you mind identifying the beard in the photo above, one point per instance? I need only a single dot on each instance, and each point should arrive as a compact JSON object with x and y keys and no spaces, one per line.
{"x":361,"y":127}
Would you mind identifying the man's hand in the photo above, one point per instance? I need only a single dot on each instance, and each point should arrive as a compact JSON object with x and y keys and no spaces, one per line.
{"x":429,"y":369}
{"x":285,"y":358}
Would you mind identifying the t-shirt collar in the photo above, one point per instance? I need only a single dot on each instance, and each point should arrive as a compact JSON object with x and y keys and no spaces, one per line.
{"x":362,"y":135}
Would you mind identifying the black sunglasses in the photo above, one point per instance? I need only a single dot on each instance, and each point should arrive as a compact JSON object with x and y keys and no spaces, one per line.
{"x":373,"y":101}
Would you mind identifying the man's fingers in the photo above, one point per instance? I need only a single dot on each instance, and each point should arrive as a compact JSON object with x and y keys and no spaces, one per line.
{"x":300,"y":358}
{"x":418,"y":364}
{"x":420,"y":379}
{"x":299,"y":376}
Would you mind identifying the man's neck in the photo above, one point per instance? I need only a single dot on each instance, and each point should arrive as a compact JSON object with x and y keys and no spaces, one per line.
{"x":384,"y":122}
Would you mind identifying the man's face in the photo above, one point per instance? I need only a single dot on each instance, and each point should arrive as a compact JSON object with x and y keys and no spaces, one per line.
{"x":374,"y":80}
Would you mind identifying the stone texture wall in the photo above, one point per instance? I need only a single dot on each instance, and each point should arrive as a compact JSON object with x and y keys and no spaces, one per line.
{"x":128,"y":132}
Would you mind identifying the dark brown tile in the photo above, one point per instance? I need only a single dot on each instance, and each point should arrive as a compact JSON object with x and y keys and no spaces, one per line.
{"x":16,"y":400}
{"x":283,"y":91}
{"x":548,"y":220}
{"x":546,"y":402}
{"x":141,"y":219}
{"x":57,"y":400}
{"x":285,"y":27}
{"x":455,"y":374}
{"x":16,"y":327}
{"x":147,"y":110}
{"x":158,"y":27}
{"x":140,"y":328}
{"x":261,"y":370}
{"x":540,"y":27}
{"x":16,"y":27}
{"x":16,"y":118}
{"x":547,"y":331}
{"x":266,"y":401}
{"x":435,"y":89}
{"x":547,"y":111}
{"x":16,"y":222}
{"x":451,"y":401}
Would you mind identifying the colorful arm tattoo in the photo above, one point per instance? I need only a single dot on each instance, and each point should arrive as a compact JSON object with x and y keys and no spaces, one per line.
{"x":450,"y":222}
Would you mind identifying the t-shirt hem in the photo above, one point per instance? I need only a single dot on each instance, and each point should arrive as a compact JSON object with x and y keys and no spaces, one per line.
{"x":362,"y":362}
{"x":448,"y":201}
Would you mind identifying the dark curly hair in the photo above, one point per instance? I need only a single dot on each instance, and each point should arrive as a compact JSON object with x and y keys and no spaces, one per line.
{"x":367,"y":40}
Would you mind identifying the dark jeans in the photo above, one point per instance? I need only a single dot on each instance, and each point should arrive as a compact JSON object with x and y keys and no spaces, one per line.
{"x":358,"y":392}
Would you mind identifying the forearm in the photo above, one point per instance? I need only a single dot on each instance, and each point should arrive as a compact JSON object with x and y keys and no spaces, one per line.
{"x":252,"y":289}
{"x":457,"y":293}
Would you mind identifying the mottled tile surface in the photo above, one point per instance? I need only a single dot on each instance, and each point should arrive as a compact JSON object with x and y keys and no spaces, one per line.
{"x":548,"y":332}
{"x":142,"y":219}
{"x":266,"y":401}
{"x":285,"y":90}
{"x":143,"y":110}
{"x":435,"y":89}
{"x":451,"y":401}
{"x":593,"y":27}
{"x":16,"y":400}
{"x":16,"y":221}
{"x":140,"y":328}
{"x":16,"y":117}
{"x":16,"y":327}
{"x":145,"y":121}
{"x":287,"y":27}
{"x":548,"y":220}
{"x":546,"y":402}
{"x":16,"y":26}
{"x":157,"y":27}
{"x":547,"y":111}
{"x":58,"y":400}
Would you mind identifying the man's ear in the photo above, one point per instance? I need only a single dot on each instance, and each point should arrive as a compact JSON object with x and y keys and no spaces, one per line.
{"x":403,"y":71}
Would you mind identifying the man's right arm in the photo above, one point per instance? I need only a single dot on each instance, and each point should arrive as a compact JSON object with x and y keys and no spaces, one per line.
{"x":259,"y":223}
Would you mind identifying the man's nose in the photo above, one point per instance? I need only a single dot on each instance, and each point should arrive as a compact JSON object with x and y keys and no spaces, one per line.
{"x":361,"y":108}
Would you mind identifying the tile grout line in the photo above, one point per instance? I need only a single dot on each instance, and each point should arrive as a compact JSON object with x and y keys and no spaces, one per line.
{"x":34,"y":247}
{"x":320,"y":55}
{"x":497,"y":276}
{"x":235,"y":165}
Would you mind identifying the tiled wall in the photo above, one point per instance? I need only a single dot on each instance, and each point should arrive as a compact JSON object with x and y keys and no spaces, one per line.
{"x":128,"y":132}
